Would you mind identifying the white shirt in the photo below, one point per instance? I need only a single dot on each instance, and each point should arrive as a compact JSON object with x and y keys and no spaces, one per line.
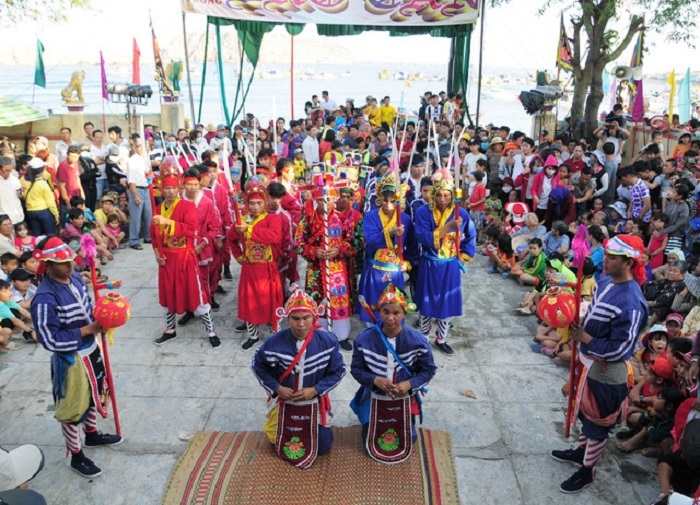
{"x":136,"y":171}
{"x":329,"y":106}
{"x":470,"y":160}
{"x":546,"y":189}
{"x":123,"y":160}
{"x":99,"y":152}
{"x":310,"y":147}
{"x":10,"y":203}
{"x":62,"y":149}
{"x":216,"y":143}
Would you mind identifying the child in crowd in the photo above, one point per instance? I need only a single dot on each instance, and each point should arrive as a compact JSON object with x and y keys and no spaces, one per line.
{"x":617,"y":217}
{"x":73,"y":230}
{"x":655,"y":425}
{"x":476,"y":203}
{"x":31,"y":265}
{"x":77,"y":202}
{"x":12,"y":315}
{"x":115,"y":233}
{"x":556,"y":239}
{"x":8,"y":262}
{"x":531,"y":271}
{"x":658,"y":375}
{"x":299,"y":165}
{"x":685,"y":384}
{"x":489,"y":248}
{"x":493,"y":207}
{"x":22,"y":288}
{"x":24,"y":240}
{"x":653,"y":346}
{"x":657,"y":244}
{"x":101,"y":243}
{"x":503,"y":258}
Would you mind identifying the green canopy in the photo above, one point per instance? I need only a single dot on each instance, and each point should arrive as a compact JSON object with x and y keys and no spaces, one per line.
{"x":14,"y":112}
{"x":251,"y":33}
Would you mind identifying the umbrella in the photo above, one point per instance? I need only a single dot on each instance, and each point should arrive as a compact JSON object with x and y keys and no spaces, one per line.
{"x":14,"y":112}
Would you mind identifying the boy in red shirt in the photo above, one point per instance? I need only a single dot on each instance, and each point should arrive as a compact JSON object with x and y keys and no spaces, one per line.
{"x":477,"y":198}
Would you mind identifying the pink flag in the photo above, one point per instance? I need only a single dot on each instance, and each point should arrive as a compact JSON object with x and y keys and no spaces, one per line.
{"x":105,"y":95}
{"x":638,"y":108}
{"x":613,"y":93}
{"x":136,"y":64}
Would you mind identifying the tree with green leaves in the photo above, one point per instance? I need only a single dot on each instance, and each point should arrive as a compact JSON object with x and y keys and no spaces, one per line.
{"x":595,"y":43}
{"x":14,"y":12}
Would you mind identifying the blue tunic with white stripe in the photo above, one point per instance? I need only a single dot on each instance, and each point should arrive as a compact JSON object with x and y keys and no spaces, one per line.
{"x":321,"y":367}
{"x":614,"y":318}
{"x":371,"y":358}
{"x":59,"y":311}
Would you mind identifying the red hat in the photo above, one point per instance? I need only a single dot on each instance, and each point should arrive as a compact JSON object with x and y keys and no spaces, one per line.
{"x":509,"y":146}
{"x":299,"y":301}
{"x":55,"y":250}
{"x":676,"y":318}
{"x":518,"y":209}
{"x":663,"y":369}
{"x":255,"y":190}
{"x":170,"y":181}
{"x":682,"y":356}
{"x":632,"y":247}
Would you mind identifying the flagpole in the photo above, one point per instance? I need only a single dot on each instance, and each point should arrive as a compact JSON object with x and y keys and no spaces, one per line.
{"x":187,"y":65}
{"x":481,"y":59}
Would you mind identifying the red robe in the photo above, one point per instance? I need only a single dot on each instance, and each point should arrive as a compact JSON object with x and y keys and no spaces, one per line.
{"x":208,"y":227}
{"x":220,"y":196}
{"x":259,"y":288}
{"x":179,"y":286}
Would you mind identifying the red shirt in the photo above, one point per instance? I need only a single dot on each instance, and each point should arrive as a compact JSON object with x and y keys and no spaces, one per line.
{"x":71,"y":176}
{"x":478,"y":193}
{"x":575,"y":166}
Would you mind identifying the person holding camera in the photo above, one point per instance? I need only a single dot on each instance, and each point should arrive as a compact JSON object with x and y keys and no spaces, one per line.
{"x":613,"y":132}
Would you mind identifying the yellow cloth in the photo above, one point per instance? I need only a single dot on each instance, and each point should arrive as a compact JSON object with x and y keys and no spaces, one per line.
{"x":375,"y":116}
{"x":587,"y":286}
{"x":270,"y":427}
{"x":387,"y":114}
{"x":100,"y":216}
{"x":299,"y":168}
{"x":41,"y":197}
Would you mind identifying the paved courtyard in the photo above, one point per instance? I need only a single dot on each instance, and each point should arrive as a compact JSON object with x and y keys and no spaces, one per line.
{"x":501,"y":439}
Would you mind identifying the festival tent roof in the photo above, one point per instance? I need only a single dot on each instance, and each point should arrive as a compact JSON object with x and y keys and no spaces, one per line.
{"x":14,"y":112}
{"x":252,"y":20}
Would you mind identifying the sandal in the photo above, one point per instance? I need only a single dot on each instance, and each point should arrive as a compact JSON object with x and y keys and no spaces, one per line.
{"x":624,"y":433}
{"x":12,"y":346}
{"x":651,"y":452}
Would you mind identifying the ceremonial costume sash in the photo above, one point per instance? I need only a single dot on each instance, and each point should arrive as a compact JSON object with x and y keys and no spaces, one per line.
{"x":389,"y":434}
{"x":97,"y":377}
{"x":297,"y":432}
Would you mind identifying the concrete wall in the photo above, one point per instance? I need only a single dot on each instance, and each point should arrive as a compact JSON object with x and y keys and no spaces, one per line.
{"x":171,"y":118}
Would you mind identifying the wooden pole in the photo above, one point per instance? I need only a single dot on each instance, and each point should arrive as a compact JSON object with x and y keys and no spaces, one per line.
{"x":291,"y":79}
{"x":481,"y":60}
{"x":187,"y":69}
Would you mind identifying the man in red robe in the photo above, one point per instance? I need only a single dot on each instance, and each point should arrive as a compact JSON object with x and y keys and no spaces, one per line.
{"x":255,"y":244}
{"x":180,"y":289}
{"x":277,"y":192}
{"x":218,"y":194}
{"x":291,"y":204}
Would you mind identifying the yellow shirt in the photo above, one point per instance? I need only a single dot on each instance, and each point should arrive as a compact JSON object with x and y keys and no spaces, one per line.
{"x":299,"y":168}
{"x":375,"y":117}
{"x":100,"y":216}
{"x":41,"y":196}
{"x":387,"y":113}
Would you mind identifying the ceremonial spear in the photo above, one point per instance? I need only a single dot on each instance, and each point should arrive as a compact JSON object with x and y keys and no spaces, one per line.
{"x":397,"y":176}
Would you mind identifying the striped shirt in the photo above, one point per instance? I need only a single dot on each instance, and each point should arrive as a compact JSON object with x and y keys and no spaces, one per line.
{"x":638,"y":193}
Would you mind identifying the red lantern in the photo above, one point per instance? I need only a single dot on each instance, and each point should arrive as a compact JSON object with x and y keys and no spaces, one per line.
{"x":557,"y":308}
{"x":112,"y":311}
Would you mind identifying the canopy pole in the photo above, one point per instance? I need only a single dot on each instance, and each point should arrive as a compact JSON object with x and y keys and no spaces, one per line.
{"x":481,"y":60}
{"x":291,"y":78}
{"x":187,"y":68}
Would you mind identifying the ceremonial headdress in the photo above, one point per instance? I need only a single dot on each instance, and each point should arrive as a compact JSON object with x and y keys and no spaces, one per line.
{"x":388,"y":184}
{"x":55,"y":250}
{"x":255,"y":189}
{"x":441,"y":184}
{"x":392,"y":294}
{"x":630,"y":246}
{"x":299,"y":301}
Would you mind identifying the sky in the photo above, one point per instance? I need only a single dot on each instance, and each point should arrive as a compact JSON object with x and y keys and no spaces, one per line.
{"x":515,"y":36}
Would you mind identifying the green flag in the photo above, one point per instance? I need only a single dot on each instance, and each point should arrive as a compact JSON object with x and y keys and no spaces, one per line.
{"x":39,"y":74}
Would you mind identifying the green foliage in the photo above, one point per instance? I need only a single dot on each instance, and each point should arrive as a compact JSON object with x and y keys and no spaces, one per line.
{"x":15,"y":12}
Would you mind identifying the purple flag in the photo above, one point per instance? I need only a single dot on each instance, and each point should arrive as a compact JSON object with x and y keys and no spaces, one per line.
{"x":104,"y":78}
{"x":638,"y":107}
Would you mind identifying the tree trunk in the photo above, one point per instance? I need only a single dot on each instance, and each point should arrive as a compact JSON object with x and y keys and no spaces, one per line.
{"x":594,"y":99}
{"x":577,"y":103}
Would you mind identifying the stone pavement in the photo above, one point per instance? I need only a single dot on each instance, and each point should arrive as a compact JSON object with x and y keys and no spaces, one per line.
{"x":501,"y":439}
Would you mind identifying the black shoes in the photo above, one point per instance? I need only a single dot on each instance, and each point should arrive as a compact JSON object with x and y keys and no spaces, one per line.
{"x":137,"y":247}
{"x":99,"y":439}
{"x":578,"y":481}
{"x":84,"y":466}
{"x":248,"y":344}
{"x":574,"y":456}
{"x":240,"y":328}
{"x":227,"y":273}
{"x":345,"y":345}
{"x":445,"y":348}
{"x":221,"y":290}
{"x":186,"y":318}
{"x":214,"y":305}
{"x":214,"y":341}
{"x":165,"y":337}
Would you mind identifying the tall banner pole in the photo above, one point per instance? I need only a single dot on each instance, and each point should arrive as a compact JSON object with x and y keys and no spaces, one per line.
{"x":187,"y":68}
{"x":291,"y":78}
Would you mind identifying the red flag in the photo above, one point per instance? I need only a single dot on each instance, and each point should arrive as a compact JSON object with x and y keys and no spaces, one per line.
{"x":104,"y":77}
{"x":136,"y":67}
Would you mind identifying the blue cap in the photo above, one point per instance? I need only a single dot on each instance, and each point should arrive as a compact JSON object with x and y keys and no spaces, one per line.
{"x":695,"y":224}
